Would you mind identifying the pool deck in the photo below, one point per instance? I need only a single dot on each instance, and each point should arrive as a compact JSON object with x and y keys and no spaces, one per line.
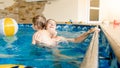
{"x":113,"y":35}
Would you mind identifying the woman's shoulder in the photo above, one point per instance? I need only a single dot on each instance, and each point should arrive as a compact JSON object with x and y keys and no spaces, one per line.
{"x":41,"y":32}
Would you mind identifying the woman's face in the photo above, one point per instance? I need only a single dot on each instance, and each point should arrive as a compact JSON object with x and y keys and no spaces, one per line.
{"x":51,"y":25}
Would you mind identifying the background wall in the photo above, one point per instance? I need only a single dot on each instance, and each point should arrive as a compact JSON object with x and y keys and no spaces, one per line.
{"x":60,"y":10}
{"x":21,"y":10}
{"x":110,"y":10}
{"x":6,"y":3}
{"x":78,"y":10}
{"x":83,"y":10}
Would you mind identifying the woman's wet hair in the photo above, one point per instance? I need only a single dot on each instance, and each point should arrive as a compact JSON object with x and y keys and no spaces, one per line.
{"x":39,"y":21}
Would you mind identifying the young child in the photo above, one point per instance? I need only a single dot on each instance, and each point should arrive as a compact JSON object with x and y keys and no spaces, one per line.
{"x":51,"y":27}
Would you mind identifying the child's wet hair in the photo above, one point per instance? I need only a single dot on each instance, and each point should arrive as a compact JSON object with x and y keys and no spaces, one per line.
{"x":50,"y":20}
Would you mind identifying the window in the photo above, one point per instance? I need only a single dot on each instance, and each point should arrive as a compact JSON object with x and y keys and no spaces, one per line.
{"x":94,"y":10}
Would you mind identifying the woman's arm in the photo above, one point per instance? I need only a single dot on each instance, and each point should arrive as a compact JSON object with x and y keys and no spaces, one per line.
{"x":33,"y":40}
{"x":80,"y":38}
{"x":83,"y":36}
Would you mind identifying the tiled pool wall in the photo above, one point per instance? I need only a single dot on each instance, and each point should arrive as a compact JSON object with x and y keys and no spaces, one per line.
{"x":106,"y":56}
{"x":63,"y":27}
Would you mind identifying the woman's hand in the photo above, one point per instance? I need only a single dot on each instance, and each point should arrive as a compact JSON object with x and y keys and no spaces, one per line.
{"x":93,"y":30}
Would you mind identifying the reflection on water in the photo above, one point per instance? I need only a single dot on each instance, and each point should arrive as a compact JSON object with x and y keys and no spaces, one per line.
{"x":9,"y":40}
{"x":6,"y":49}
{"x":6,"y":56}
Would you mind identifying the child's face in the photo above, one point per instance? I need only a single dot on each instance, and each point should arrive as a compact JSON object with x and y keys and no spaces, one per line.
{"x":51,"y":25}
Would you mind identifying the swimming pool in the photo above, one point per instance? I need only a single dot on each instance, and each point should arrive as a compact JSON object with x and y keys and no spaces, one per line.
{"x":19,"y":50}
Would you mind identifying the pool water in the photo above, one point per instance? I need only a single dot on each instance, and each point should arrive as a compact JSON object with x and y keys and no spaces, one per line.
{"x":18,"y":49}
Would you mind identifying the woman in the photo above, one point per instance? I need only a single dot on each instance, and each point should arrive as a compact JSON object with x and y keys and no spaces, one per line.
{"x":46,"y":33}
{"x":51,"y":27}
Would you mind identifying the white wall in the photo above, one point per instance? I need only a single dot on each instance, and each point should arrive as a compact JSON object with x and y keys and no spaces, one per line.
{"x":78,"y":10}
{"x":110,"y":10}
{"x":83,"y":10}
{"x":62,"y":10}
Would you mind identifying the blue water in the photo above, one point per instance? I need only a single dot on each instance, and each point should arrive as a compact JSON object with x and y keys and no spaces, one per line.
{"x":18,"y":49}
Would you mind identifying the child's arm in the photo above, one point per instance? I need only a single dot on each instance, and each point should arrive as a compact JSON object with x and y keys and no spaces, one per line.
{"x":53,"y":33}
